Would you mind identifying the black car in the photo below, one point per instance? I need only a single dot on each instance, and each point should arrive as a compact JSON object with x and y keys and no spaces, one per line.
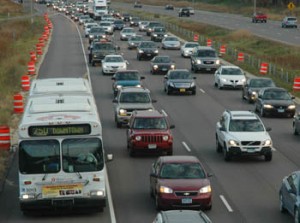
{"x":137,"y":5}
{"x":134,"y":21}
{"x":184,"y":12}
{"x":146,"y":49}
{"x":169,"y":7}
{"x":119,"y":24}
{"x":151,"y":26}
{"x":161,"y":65}
{"x":275,"y":101}
{"x":126,"y":17}
{"x":99,"y":50}
{"x":179,"y":81}
{"x":253,"y":85}
{"x":158,"y":34}
{"x":97,"y":33}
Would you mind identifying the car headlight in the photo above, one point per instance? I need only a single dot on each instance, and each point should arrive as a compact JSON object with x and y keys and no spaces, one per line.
{"x":104,"y":66}
{"x":223,"y":80}
{"x":138,"y":85}
{"x":119,"y":86}
{"x":155,"y":66}
{"x":155,"y":35}
{"x":97,"y":193}
{"x":123,"y":35}
{"x":233,"y":143}
{"x":198,"y":61}
{"x":141,"y":51}
{"x":138,"y":138}
{"x":171,"y":84}
{"x":165,"y":138}
{"x":165,"y":35}
{"x":165,"y":190}
{"x":122,"y":112}
{"x":204,"y":190}
{"x":218,"y":62}
{"x":291,"y":107}
{"x":243,"y":80}
{"x":192,"y":84}
{"x":268,"y":106}
{"x":253,"y":93}
{"x":91,"y":36}
{"x":267,"y":142}
{"x":173,"y":66}
{"x":104,"y":36}
{"x":155,"y":51}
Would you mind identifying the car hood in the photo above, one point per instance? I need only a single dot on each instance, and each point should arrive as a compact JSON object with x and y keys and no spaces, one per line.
{"x":127,"y":82}
{"x":150,"y":131}
{"x":162,"y":64}
{"x":114,"y":64}
{"x":153,"y":49}
{"x":233,"y":77}
{"x":172,"y":42}
{"x":249,"y":136}
{"x":104,"y":51}
{"x":184,"y":184}
{"x":137,"y":106}
{"x":279,"y":102}
{"x":182,"y":81}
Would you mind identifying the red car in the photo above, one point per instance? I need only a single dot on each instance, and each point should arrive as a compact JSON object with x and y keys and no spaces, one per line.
{"x":259,"y":17}
{"x":178,"y":182}
{"x":149,"y":132}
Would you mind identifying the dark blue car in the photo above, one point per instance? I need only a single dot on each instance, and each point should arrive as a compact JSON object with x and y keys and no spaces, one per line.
{"x":126,"y":78}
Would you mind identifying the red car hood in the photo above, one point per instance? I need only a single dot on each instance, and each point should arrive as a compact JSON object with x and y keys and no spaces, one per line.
{"x":184,"y":184}
{"x":150,"y":132}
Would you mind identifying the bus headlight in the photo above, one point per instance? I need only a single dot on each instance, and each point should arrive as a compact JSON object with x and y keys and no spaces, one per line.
{"x":27,"y":196}
{"x":97,"y":193}
{"x":122,"y":112}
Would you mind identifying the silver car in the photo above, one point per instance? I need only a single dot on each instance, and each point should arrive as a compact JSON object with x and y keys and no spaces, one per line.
{"x":126,"y":33}
{"x":296,"y":124}
{"x":171,"y":42}
{"x":187,"y":48}
{"x":143,"y":25}
{"x":289,"y":21}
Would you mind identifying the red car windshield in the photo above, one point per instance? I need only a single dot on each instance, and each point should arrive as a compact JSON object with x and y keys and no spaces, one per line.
{"x":182,"y":171}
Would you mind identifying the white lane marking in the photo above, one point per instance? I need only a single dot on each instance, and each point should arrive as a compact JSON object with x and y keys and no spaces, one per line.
{"x":186,"y":147}
{"x":109,"y":197}
{"x":200,"y":89}
{"x":226,"y":203}
{"x":165,"y":113}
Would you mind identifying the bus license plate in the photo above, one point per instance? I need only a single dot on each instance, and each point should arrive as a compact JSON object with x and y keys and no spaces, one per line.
{"x":182,"y":90}
{"x":186,"y":200}
{"x":152,"y":146}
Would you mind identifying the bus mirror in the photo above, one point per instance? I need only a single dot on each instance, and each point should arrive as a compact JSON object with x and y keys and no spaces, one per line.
{"x":109,"y":157}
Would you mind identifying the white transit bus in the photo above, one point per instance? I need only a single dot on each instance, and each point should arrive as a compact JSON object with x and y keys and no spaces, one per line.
{"x":61,"y":155}
{"x":60,"y":85}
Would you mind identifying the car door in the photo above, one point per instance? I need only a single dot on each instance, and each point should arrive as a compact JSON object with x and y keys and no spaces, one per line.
{"x":154,"y":174}
{"x":259,"y":100}
{"x":246,"y":88}
{"x":290,"y":192}
{"x":221,"y":129}
{"x":217,"y":76}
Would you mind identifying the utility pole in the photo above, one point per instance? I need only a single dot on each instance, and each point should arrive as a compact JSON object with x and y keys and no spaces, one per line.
{"x":254,"y":7}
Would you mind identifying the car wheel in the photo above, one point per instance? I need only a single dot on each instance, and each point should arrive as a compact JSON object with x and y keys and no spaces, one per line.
{"x":151,"y":193}
{"x":281,"y":204}
{"x":262,"y":113}
{"x":226,"y":155}
{"x":296,"y":215}
{"x":219,"y":86}
{"x":131,"y":152}
{"x":103,"y":72}
{"x":295,"y":131}
{"x":268,"y":157}
{"x":218,"y":146}
{"x":194,"y":92}
{"x":93,"y":63}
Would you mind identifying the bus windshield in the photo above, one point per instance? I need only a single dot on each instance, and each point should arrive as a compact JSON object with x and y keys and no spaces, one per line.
{"x":82,"y":155}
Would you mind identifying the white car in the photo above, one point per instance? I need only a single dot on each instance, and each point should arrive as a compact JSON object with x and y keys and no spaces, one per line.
{"x":113,"y":63}
{"x":242,"y":133}
{"x":187,"y":48}
{"x":126,"y":33}
{"x":229,"y":77}
{"x":88,"y":26}
{"x":108,"y":26}
{"x":143,"y":25}
{"x":171,"y":42}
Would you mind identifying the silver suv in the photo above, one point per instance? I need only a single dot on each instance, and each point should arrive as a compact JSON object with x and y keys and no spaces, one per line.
{"x":242,"y":133}
{"x":289,"y":21}
{"x":128,"y":100}
{"x":204,"y":58}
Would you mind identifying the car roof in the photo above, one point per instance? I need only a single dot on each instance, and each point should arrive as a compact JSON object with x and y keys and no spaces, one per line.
{"x":229,"y":66}
{"x":127,"y":71}
{"x":205,"y":48}
{"x":148,"y":114}
{"x":183,"y":158}
{"x":246,"y":115}
{"x":176,"y":70}
{"x":187,"y":216}
{"x":134,"y":89}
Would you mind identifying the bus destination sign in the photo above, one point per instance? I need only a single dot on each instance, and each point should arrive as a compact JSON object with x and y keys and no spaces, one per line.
{"x":59,"y":130}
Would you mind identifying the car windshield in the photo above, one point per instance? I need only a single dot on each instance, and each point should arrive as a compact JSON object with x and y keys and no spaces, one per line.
{"x":180,"y":75}
{"x":147,"y":45}
{"x":162,"y":60}
{"x":246,"y":126}
{"x":118,"y":22}
{"x":135,"y":97}
{"x":150,"y":123}
{"x":159,"y":29}
{"x":114,"y":59}
{"x":128,"y":31}
{"x":261,"y":83}
{"x":231,"y":71}
{"x":291,"y":19}
{"x":182,"y":171}
{"x":191,"y":45}
{"x":136,"y":38}
{"x":97,"y":30}
{"x":206,"y":53}
{"x":105,"y":24}
{"x":126,"y":76}
{"x":276,"y":95}
{"x":101,"y":46}
{"x":171,"y":39}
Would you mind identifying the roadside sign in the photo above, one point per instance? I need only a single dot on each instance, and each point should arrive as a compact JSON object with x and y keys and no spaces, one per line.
{"x":196,"y":37}
{"x":291,"y":6}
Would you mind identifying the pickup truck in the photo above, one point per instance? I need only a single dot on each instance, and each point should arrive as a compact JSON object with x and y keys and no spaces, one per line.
{"x":259,"y":17}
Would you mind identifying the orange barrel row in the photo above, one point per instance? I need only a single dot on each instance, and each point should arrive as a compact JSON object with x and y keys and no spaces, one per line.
{"x":208,"y":42}
{"x":241,"y":57}
{"x":18,"y":103}
{"x":25,"y":83}
{"x":4,"y":137}
{"x":223,"y":49}
{"x":31,"y":67}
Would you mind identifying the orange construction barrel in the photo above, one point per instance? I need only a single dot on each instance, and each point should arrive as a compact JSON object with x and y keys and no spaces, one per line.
{"x":41,"y":41}
{"x":39,"y":50}
{"x":296,"y":85}
{"x":25,"y":82}
{"x":223,"y":49}
{"x":32,"y":56}
{"x":4,"y":137}
{"x":18,"y":103}
{"x":263,"y":68}
{"x":209,"y":42}
{"x":196,"y":37}
{"x":31,"y":67}
{"x":240,"y":57}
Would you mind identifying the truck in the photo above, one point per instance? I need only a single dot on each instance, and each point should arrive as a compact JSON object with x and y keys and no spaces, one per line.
{"x":99,"y":8}
{"x":259,"y":17}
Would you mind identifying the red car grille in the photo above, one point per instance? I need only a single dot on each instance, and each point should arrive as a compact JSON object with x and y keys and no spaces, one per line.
{"x":152,"y":139}
{"x":186,"y":193}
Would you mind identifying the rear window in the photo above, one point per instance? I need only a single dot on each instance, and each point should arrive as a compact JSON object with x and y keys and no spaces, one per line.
{"x":291,"y":19}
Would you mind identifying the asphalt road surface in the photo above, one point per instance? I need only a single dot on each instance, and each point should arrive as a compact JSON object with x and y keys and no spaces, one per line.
{"x":244,"y":190}
{"x":271,"y":30}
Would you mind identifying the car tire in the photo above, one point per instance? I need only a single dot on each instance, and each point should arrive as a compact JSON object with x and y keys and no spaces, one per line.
{"x":218,"y":145}
{"x":281,"y":204}
{"x":295,"y":131}
{"x":168,"y":91}
{"x":93,"y":63}
{"x":103,"y":73}
{"x":131,"y":152}
{"x":227,"y":156}
{"x":219,"y":86}
{"x":151,"y":193}
{"x":268,"y":157}
{"x":296,"y":215}
{"x":194,"y":92}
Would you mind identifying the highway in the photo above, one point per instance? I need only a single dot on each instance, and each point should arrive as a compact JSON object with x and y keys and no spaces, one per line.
{"x":244,"y":190}
{"x":271,"y":30}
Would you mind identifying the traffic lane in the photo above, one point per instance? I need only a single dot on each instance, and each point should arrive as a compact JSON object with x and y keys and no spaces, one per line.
{"x":119,"y":149}
{"x":65,"y":56}
{"x":231,"y":95}
{"x":229,"y":21}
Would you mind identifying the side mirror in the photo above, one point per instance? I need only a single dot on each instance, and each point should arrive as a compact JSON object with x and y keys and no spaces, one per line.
{"x":115,"y":100}
{"x":172,"y":126}
{"x":222,"y":129}
{"x":268,"y":129}
{"x":209,"y":174}
{"x":293,"y":97}
{"x":126,"y":61}
{"x":127,"y":126}
{"x":153,"y":175}
{"x":166,"y":77}
{"x":109,"y":157}
{"x":142,"y":78}
{"x":194,"y":78}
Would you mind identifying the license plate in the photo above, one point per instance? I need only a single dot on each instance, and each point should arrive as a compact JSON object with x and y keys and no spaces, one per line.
{"x":250,"y":150}
{"x":164,"y":69}
{"x":186,"y":200}
{"x":280,"y":110}
{"x":182,"y":90}
{"x":208,"y":69}
{"x":149,"y":54}
{"x":152,"y":146}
